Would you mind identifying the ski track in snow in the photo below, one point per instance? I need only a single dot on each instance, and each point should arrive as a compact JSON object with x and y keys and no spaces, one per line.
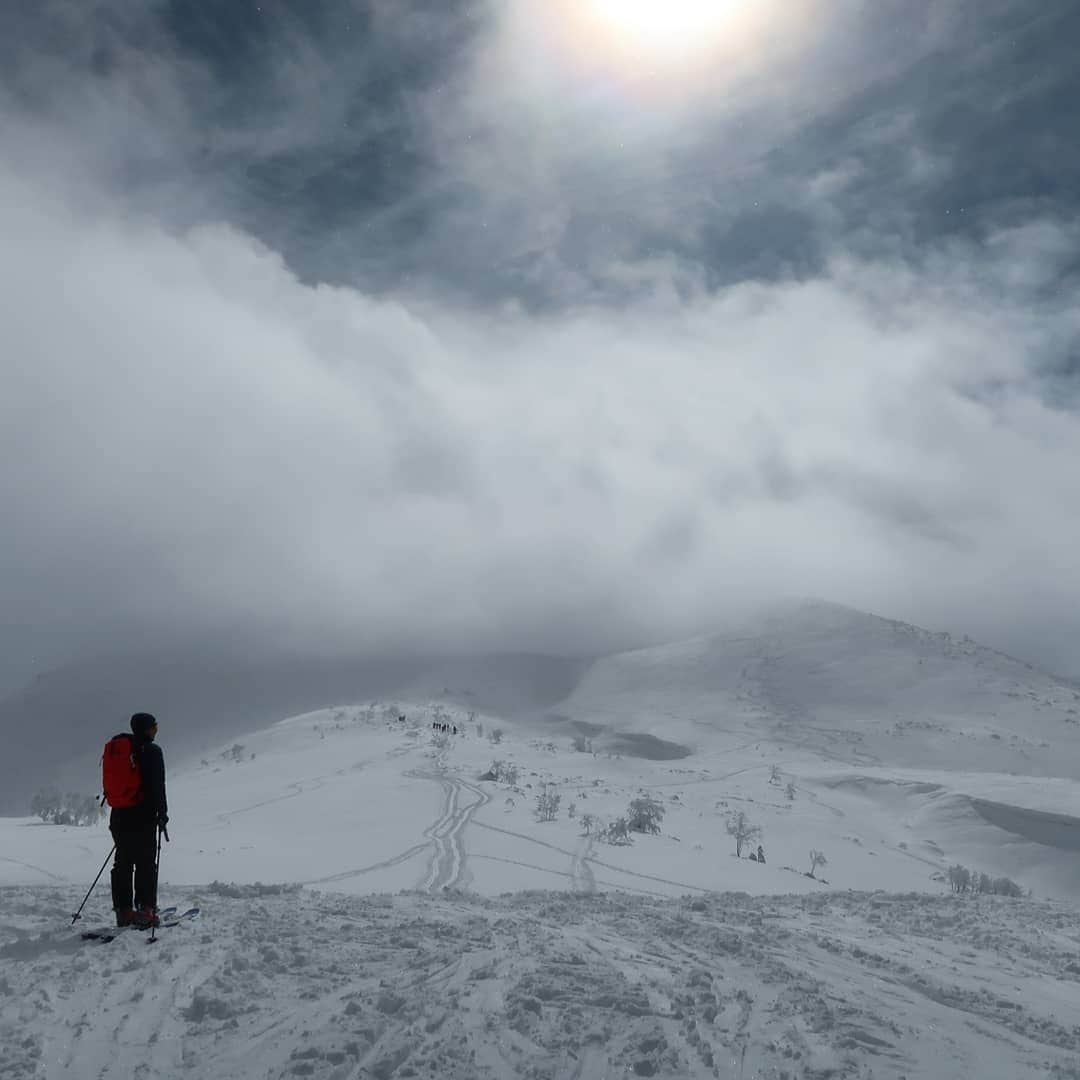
{"x":448,"y":868}
{"x":573,"y":856}
{"x":546,"y":985}
{"x":297,"y":789}
{"x":581,"y":874}
{"x":36,"y":869}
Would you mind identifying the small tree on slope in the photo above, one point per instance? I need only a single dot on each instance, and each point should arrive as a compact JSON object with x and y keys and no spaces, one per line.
{"x":644,"y":815}
{"x":616,"y":832}
{"x":959,"y":878}
{"x":547,"y":805}
{"x":816,"y":859}
{"x":740,"y":827}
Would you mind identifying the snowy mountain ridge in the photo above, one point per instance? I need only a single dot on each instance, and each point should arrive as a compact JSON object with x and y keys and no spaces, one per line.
{"x":849,"y":686}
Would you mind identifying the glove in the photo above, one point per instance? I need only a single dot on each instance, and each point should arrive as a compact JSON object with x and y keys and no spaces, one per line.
{"x":162,"y":820}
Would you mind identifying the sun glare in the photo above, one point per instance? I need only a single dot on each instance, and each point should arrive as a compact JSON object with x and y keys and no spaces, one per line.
{"x":665,"y":24}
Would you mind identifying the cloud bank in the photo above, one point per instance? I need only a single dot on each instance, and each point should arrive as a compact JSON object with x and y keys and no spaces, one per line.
{"x":553,"y":376}
{"x":194,"y":436}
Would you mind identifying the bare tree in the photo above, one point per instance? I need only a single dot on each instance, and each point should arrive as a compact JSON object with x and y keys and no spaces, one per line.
{"x":616,"y":832}
{"x":547,"y":804}
{"x":959,"y":878}
{"x":739,"y":827}
{"x":502,"y":772}
{"x":816,"y":859}
{"x":1004,"y":886}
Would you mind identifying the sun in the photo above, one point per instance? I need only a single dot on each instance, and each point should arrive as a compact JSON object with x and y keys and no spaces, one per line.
{"x":664,"y":25}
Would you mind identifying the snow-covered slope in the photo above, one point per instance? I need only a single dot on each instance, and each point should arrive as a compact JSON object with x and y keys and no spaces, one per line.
{"x":848,"y":686}
{"x":541,"y":985}
{"x":52,"y":730}
{"x":356,"y":798}
{"x":830,"y":730}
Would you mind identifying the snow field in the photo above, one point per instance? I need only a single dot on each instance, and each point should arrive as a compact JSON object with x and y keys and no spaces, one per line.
{"x":352,"y":799}
{"x":459,"y":987}
{"x":668,"y":957}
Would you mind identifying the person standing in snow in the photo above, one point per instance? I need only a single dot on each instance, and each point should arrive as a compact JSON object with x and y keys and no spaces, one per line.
{"x":135,"y":831}
{"x":760,"y":854}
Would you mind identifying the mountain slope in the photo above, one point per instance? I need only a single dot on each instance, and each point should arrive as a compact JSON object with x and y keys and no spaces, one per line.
{"x":850,"y":687}
{"x":54,"y":729}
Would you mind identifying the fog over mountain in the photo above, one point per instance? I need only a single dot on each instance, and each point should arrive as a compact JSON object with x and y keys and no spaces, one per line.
{"x":588,"y":489}
{"x":369,"y":328}
{"x":795,"y":672}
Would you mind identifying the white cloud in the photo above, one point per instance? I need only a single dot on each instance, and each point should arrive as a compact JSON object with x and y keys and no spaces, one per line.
{"x":193,"y":437}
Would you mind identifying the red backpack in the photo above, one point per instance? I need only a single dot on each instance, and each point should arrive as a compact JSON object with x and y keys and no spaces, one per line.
{"x":121,"y":777}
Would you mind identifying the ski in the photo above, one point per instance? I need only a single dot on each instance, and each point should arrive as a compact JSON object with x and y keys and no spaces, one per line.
{"x":184,"y":916}
{"x":168,"y":917}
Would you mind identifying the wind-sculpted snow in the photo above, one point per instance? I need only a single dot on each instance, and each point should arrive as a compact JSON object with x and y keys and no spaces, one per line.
{"x":545,"y":985}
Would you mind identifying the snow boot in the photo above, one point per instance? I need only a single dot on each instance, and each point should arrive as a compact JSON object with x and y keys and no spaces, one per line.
{"x":125,"y":916}
{"x":145,"y":918}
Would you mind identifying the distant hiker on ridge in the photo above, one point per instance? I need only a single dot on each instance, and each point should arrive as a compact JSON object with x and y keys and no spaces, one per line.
{"x":133,"y":774}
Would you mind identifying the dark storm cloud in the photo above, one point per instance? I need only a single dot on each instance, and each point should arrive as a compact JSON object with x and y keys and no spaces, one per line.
{"x":319,"y":329}
{"x":371,"y":143}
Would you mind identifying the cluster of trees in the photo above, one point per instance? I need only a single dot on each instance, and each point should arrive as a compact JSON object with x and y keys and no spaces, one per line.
{"x":502,"y":772}
{"x":643,"y":815}
{"x":963,"y":880}
{"x":547,"y":804}
{"x":69,"y":809}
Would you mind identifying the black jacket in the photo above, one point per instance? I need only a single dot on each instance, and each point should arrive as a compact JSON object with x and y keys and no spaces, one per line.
{"x":154,"y":808}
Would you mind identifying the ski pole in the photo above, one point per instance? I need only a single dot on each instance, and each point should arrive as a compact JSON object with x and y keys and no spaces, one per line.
{"x":78,"y":914}
{"x":157,"y":864}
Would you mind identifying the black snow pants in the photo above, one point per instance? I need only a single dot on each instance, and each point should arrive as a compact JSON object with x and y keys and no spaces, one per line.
{"x":136,"y":855}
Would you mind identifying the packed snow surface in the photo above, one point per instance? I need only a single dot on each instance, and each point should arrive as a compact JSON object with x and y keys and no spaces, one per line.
{"x":457,"y":987}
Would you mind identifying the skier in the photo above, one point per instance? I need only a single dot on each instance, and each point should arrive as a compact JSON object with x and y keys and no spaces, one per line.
{"x":135,"y":830}
{"x":760,"y":854}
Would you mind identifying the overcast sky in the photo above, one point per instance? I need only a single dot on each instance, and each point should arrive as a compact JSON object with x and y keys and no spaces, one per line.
{"x":389,"y":325}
